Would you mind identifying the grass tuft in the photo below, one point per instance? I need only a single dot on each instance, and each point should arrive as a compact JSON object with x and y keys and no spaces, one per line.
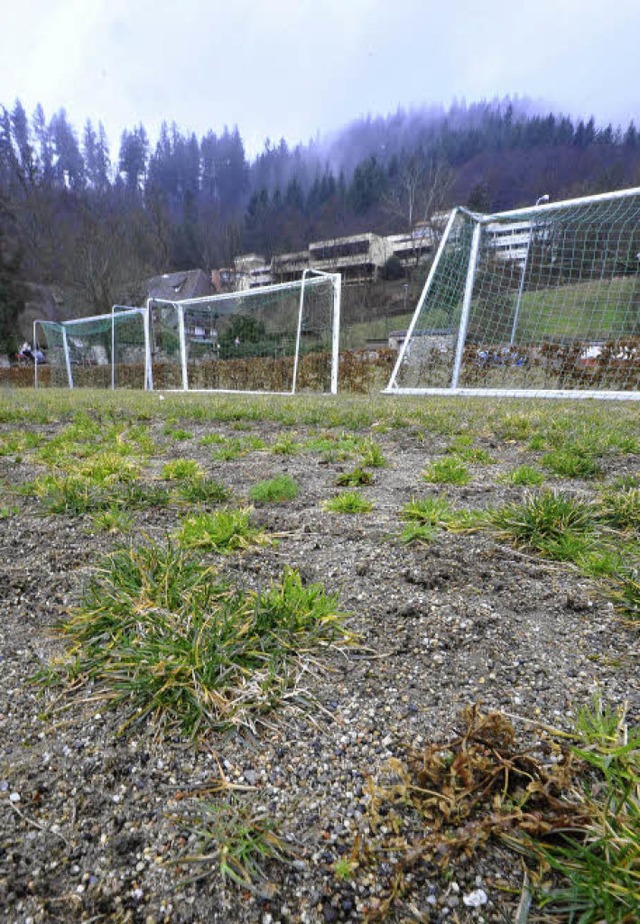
{"x":232,"y":449}
{"x":348,"y":502}
{"x":167,"y":638}
{"x":424,"y":517}
{"x":447,"y":471}
{"x":569,"y":463}
{"x":274,"y":490}
{"x":599,"y":862}
{"x":462,"y":447}
{"x":225,"y":531}
{"x":556,"y":525}
{"x":371,"y":454}
{"x":241,"y":837}
{"x":285,"y":445}
{"x":525,"y":475}
{"x":621,"y":509}
{"x":358,"y":476}
{"x":626,"y":594}
{"x":182,"y":470}
{"x":203,"y":491}
{"x":113,"y":520}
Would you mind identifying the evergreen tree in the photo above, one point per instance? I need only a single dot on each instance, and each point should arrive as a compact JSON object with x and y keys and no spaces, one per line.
{"x":11,"y":302}
{"x":96,"y":156}
{"x":25,"y":154}
{"x":42,"y":137}
{"x":367,"y":186}
{"x":68,"y":165}
{"x":134,"y":149}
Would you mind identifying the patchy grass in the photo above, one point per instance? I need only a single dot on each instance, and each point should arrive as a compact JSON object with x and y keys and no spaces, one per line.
{"x":182,"y":470}
{"x":525,"y":475}
{"x":274,"y":490}
{"x":569,"y":463}
{"x":227,"y":530}
{"x":161,"y":636}
{"x":75,"y":495}
{"x":447,"y":471}
{"x":548,"y":522}
{"x":234,"y":448}
{"x":348,"y":502}
{"x":238,"y":837}
{"x":355,"y":478}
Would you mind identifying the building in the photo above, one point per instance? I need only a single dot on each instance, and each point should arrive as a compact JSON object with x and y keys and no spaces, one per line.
{"x":357,"y":258}
{"x":174,"y":287}
{"x":252,"y":271}
{"x":413,"y":247}
{"x":510,"y":241}
{"x":287,"y":267}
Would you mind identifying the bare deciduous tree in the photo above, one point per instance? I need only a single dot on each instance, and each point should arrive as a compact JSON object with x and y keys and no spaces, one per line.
{"x":420,"y":192}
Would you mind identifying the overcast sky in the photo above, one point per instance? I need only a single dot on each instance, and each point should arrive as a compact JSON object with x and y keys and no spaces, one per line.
{"x":295,"y":68}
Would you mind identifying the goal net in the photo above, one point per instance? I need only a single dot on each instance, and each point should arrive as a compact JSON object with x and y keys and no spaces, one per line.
{"x":104,"y":351}
{"x":280,"y":338}
{"x":540,"y":301}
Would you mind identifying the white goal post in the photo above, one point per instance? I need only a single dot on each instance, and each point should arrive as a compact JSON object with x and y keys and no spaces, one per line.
{"x":542,"y":301}
{"x":102,"y":351}
{"x":278,"y":339}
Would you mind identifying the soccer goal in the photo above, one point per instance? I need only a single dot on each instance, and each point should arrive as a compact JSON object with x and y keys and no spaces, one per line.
{"x":104,"y":351}
{"x":543,"y":301}
{"x":279,"y":338}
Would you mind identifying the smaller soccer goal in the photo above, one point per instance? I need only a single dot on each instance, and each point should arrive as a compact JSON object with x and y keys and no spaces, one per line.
{"x":103,"y":351}
{"x":279,"y":338}
{"x":542,"y":301}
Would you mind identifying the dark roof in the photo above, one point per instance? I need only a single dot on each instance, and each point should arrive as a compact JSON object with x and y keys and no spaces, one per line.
{"x":177,"y":286}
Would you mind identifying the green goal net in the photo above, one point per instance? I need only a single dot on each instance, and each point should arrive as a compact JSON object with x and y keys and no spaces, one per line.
{"x":104,"y":351}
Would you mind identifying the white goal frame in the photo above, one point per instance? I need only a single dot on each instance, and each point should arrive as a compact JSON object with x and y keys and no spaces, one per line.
{"x":311,"y":279}
{"x":71,"y":331}
{"x":597,"y":234}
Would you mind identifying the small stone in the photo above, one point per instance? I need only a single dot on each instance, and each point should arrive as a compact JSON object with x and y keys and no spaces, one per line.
{"x":475,"y":899}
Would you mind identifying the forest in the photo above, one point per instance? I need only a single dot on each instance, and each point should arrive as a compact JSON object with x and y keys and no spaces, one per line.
{"x":89,"y":222}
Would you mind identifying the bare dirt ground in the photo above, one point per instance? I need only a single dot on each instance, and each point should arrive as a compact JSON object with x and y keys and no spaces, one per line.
{"x":90,"y":821}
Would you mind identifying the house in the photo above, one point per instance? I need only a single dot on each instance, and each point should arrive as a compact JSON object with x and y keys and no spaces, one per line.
{"x":175,"y":287}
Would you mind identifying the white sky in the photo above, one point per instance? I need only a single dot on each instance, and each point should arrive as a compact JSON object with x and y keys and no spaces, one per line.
{"x":295,"y":68}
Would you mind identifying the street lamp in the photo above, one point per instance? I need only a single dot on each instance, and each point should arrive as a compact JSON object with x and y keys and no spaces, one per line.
{"x":540,"y":201}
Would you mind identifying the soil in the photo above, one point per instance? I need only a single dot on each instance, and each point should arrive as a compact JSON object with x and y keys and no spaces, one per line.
{"x":92,"y":822}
